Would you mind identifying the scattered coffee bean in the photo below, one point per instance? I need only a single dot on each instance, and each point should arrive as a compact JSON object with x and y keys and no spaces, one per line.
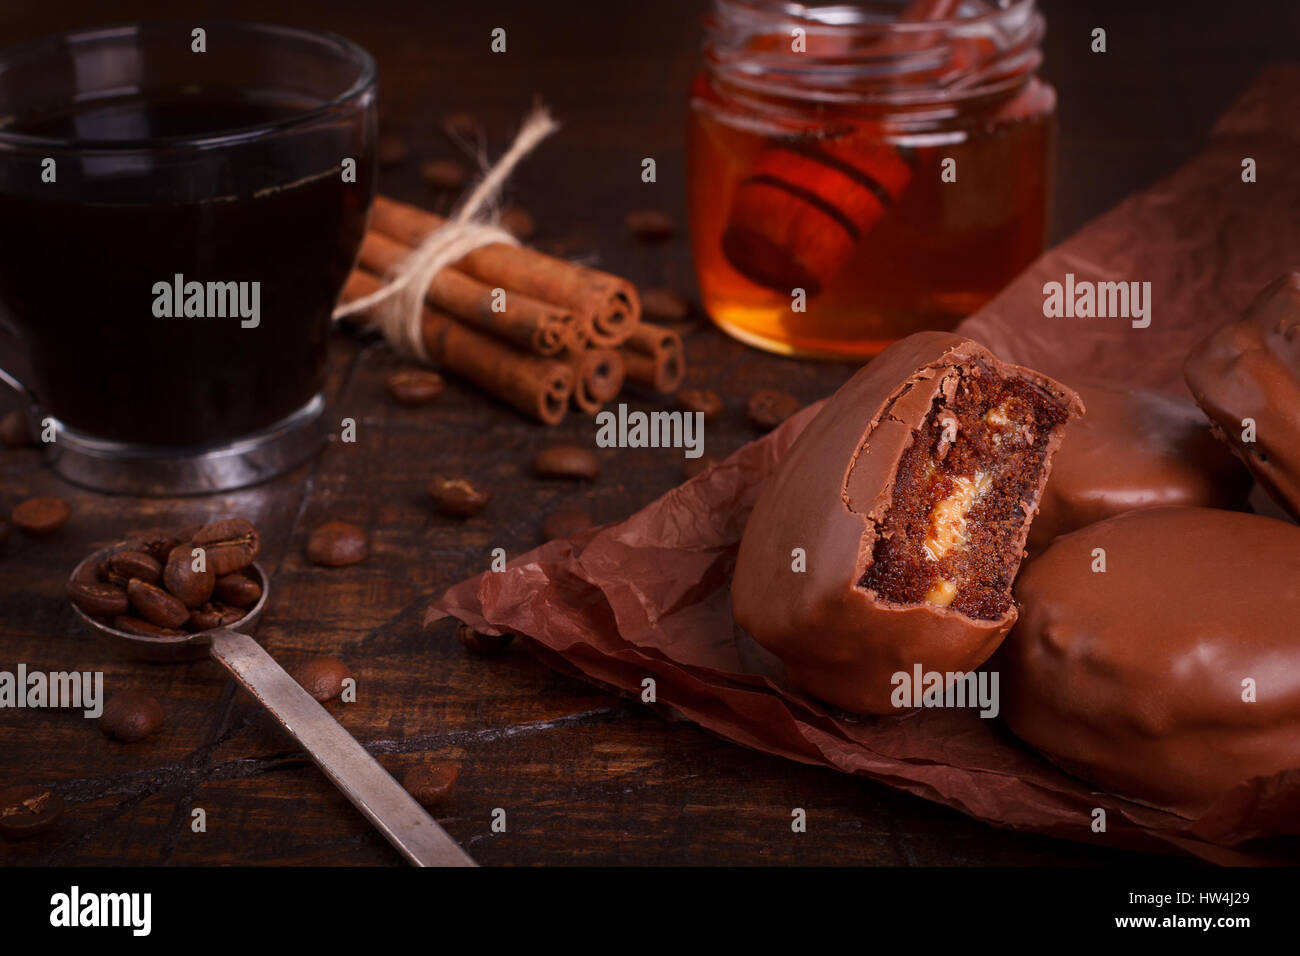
{"x":484,"y":645}
{"x":651,"y":225}
{"x":130,"y":716}
{"x":14,"y":432}
{"x":142,"y":628}
{"x":238,"y":590}
{"x":43,"y":515}
{"x":230,"y":544}
{"x":443,"y":174}
{"x":519,"y":223}
{"x":697,"y":466}
{"x":665,"y":305}
{"x":136,"y":564}
{"x":414,"y":386}
{"x":391,"y":150}
{"x":179,"y":577}
{"x":98,"y":600}
{"x":458,"y":497}
{"x":565,"y":524}
{"x":431,"y":784}
{"x":323,"y":677}
{"x":699,"y":400}
{"x":155,"y":605}
{"x":566,"y":461}
{"x":27,"y":809}
{"x":462,"y":125}
{"x":338,"y":543}
{"x":768,"y":408}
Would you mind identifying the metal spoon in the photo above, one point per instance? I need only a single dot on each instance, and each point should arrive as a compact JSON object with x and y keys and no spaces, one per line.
{"x":382,"y":800}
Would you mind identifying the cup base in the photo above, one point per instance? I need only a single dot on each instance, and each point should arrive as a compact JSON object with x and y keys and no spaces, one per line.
{"x":163,"y":471}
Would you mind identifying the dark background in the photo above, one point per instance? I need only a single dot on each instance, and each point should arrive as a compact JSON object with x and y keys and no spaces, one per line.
{"x":587,"y":777}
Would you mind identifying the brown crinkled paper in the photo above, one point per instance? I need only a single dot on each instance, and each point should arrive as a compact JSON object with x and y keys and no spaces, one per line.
{"x":649,"y":596}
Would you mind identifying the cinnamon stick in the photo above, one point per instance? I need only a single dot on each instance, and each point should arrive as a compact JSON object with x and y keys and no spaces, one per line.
{"x":532,"y":325}
{"x":597,"y":377}
{"x":539,"y":387}
{"x":654,"y":358}
{"x":609,"y":303}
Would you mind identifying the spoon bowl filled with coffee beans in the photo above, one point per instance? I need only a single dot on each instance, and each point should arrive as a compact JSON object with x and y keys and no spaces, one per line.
{"x":158,"y":595}
{"x":165,"y":596}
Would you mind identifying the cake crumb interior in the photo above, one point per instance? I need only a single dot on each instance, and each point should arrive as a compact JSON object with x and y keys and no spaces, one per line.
{"x":961,"y":493}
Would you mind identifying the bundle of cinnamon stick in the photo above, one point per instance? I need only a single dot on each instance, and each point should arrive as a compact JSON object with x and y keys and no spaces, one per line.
{"x":536,"y":331}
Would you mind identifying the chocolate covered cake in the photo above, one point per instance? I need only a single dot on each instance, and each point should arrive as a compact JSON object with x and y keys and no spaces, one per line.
{"x":891,"y":533}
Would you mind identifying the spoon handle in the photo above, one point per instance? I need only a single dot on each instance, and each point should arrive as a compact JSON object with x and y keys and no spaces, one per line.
{"x":401,"y":820}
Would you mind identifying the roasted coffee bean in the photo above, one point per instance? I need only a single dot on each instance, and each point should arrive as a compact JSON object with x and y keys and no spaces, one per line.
{"x":443,"y":174}
{"x":458,"y":497}
{"x":566,"y":461}
{"x":191,"y":587}
{"x":43,"y":515}
{"x":651,"y":225}
{"x":665,"y":305}
{"x":565,"y":524}
{"x":414,"y":386}
{"x":204,"y":618}
{"x":87,"y":572}
{"x":338,"y":543}
{"x":391,"y":150}
{"x":130,"y":716}
{"x":697,"y":466}
{"x":462,"y":125}
{"x":154,"y":542}
{"x":155,"y":605}
{"x":228,"y":614}
{"x":484,"y":645}
{"x":27,"y":809}
{"x":322,"y":677}
{"x":214,"y":614}
{"x":186,"y":534}
{"x":519,"y":223}
{"x":136,"y":564}
{"x":230,"y":544}
{"x":700,"y":400}
{"x":431,"y":784}
{"x":142,"y":628}
{"x":98,"y":600}
{"x":14,"y":432}
{"x":238,"y":590}
{"x":768,"y":408}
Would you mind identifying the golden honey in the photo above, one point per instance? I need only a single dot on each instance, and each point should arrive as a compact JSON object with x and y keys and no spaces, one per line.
{"x":868,"y":178}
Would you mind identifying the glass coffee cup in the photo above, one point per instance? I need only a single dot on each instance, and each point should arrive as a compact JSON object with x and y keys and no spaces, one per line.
{"x":181,"y":207}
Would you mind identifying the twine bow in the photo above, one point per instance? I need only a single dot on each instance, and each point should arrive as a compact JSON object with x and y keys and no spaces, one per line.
{"x":397,"y":305}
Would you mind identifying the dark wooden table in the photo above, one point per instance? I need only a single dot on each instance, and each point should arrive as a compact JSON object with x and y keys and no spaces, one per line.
{"x":585,"y":777}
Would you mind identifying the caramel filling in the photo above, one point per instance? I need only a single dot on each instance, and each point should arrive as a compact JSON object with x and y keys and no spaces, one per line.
{"x":961,"y":494}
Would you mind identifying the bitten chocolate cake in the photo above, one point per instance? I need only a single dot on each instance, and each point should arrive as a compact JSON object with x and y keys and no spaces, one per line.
{"x":909,"y":497}
{"x":1135,"y":449}
{"x":1251,"y":370}
{"x":1174,"y":673}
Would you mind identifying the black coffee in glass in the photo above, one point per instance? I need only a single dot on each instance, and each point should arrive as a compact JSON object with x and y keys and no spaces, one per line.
{"x":174,"y":248}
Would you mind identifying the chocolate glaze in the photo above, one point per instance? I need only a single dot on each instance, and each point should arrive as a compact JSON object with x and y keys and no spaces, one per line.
{"x":1251,"y":369}
{"x":1134,"y":449}
{"x":838,"y":640}
{"x":1132,"y":678}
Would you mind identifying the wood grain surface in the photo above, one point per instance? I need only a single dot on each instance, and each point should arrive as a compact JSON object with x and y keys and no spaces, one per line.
{"x":583,"y":776}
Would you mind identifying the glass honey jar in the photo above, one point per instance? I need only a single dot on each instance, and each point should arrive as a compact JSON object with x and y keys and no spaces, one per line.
{"x":859,"y":172}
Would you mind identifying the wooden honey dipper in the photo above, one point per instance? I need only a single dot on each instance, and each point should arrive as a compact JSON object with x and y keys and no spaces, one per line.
{"x":797,"y":217}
